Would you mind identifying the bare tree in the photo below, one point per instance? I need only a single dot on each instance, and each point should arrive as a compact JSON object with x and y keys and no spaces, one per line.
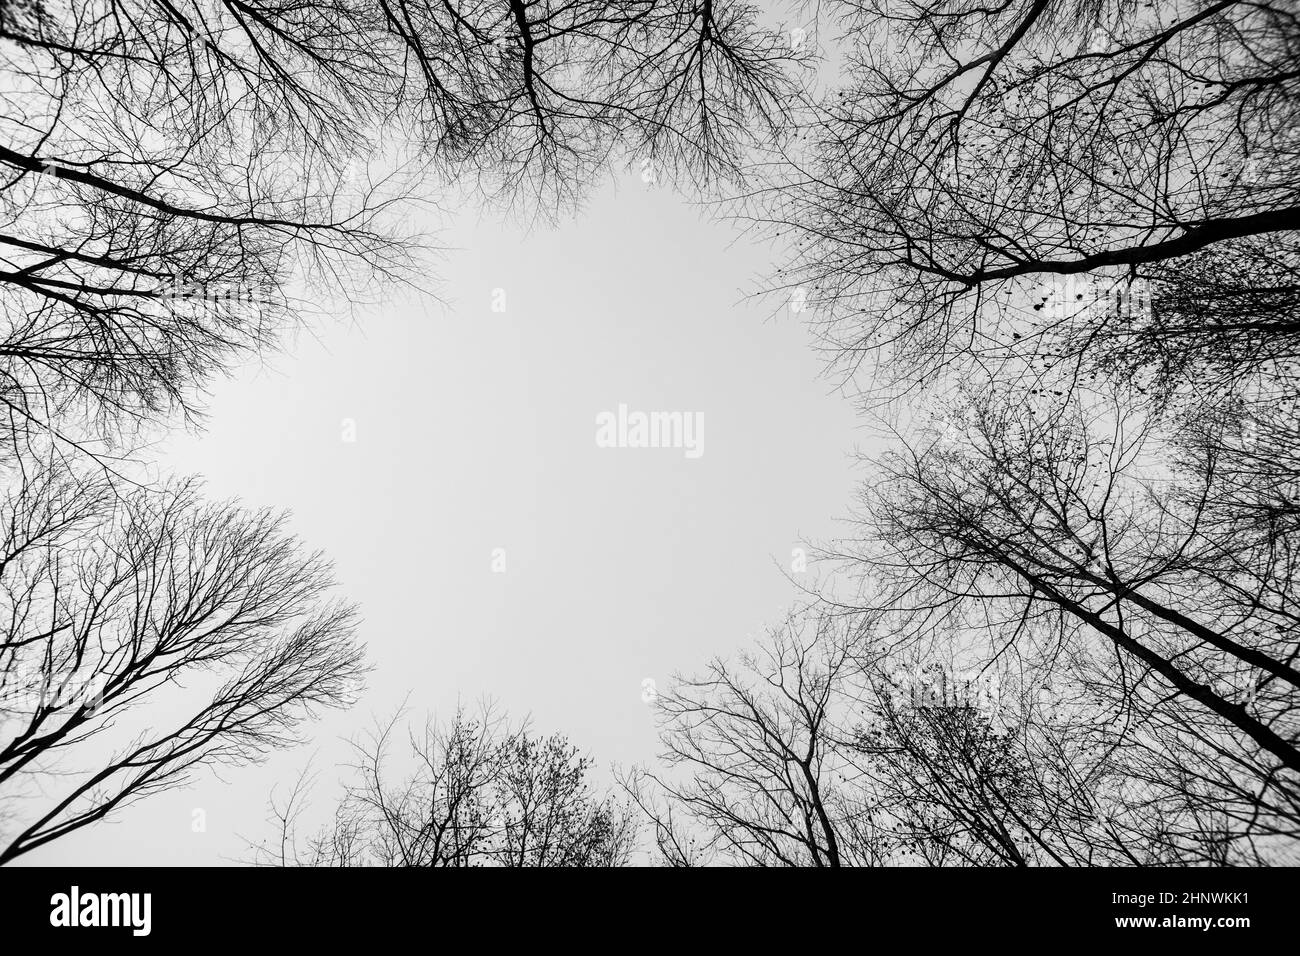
{"x":821,"y":750}
{"x":481,"y":794}
{"x":951,"y":787}
{"x":1067,"y":230}
{"x":1067,"y":529}
{"x":974,"y":151}
{"x":111,"y":604}
{"x":168,"y":174}
{"x":1003,"y":765}
{"x":761,"y":766}
{"x":178,"y":179}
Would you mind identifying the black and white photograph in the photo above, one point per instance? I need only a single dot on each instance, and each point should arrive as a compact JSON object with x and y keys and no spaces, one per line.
{"x":649,"y":434}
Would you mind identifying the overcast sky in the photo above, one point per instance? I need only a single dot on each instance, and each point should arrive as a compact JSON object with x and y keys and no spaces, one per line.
{"x":475,"y":430}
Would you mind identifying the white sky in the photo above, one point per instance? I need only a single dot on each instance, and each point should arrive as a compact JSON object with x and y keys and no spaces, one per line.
{"x":476,"y":430}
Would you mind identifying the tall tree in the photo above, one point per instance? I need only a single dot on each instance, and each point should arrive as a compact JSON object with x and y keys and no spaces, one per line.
{"x":112,"y":602}
{"x":760,"y":763}
{"x":177,"y":179}
{"x":1071,"y":530}
{"x":972,"y":152}
{"x":481,"y":793}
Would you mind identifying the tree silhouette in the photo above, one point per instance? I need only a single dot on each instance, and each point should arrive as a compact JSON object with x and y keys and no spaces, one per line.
{"x":760,"y":765}
{"x":1069,"y":531}
{"x":982,"y":150}
{"x":481,"y":794}
{"x":178,"y":179}
{"x":145,"y":636}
